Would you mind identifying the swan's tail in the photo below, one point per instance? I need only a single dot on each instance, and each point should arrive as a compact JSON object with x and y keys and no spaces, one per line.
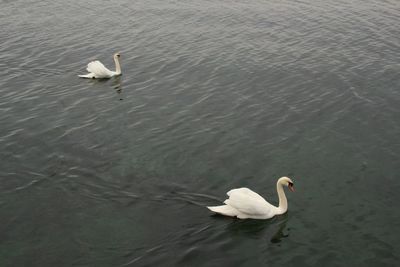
{"x":89,"y":75}
{"x":224,"y":210}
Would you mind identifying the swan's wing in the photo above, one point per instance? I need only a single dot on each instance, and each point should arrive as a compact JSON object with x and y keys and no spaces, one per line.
{"x":98,"y":69}
{"x":248,"y":202}
{"x":246,"y":191}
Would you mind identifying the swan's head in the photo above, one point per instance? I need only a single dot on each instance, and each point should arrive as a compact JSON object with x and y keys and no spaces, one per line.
{"x":117,"y":55}
{"x":287,"y":182}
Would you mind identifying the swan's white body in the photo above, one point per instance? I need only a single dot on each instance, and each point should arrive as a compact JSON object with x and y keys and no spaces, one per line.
{"x":97,"y":70}
{"x":244,"y":203}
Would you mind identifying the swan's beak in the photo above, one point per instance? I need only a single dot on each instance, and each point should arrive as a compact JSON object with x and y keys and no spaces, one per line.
{"x":291,"y":188}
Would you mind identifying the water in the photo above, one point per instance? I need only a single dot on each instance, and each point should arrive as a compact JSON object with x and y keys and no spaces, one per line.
{"x":214,"y":95}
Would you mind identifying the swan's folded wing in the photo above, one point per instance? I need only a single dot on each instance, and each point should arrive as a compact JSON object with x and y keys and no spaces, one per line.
{"x":98,"y":69}
{"x":247,"y":201}
{"x":245,"y":191}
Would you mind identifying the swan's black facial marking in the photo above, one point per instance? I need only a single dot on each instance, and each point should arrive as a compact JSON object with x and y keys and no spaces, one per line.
{"x":290,"y":185}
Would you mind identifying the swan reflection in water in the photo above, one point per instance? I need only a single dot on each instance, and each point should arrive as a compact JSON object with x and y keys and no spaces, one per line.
{"x":115,"y":82}
{"x":117,"y":85}
{"x":273,"y":229}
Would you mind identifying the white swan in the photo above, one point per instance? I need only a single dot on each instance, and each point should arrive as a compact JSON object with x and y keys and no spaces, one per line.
{"x":97,"y":70}
{"x":247,"y":204}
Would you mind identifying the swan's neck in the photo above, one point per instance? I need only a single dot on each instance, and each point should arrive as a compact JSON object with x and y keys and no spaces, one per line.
{"x":117,"y":66}
{"x":283,"y":205}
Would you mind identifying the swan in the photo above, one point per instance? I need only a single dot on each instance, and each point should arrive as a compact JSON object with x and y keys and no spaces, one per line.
{"x":244,"y":203}
{"x":97,"y":70}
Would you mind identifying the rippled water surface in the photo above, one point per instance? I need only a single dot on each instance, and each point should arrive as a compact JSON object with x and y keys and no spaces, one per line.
{"x":215,"y":94}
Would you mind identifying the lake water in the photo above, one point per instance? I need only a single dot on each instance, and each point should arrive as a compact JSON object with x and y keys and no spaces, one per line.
{"x":215,"y":94}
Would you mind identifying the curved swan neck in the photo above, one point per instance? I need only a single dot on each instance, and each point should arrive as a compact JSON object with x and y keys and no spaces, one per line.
{"x":117,"y":66}
{"x":283,"y":205}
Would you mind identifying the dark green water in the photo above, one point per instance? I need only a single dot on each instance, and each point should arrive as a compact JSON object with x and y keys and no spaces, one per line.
{"x":214,"y":95}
